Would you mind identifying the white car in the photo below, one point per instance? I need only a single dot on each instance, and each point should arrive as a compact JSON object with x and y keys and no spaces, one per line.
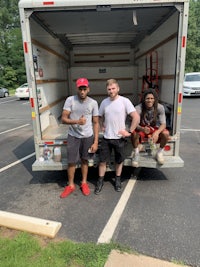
{"x":22,"y":92}
{"x":191,"y":84}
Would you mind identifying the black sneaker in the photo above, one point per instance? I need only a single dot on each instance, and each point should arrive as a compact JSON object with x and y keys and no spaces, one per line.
{"x":118,"y":185}
{"x":98,"y":186}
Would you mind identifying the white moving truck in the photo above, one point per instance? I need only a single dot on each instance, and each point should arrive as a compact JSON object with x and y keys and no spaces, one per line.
{"x":141,"y":43}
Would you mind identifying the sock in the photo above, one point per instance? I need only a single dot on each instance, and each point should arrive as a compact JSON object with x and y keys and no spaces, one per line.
{"x":160,"y":150}
{"x":117,"y":179}
{"x":101,"y":177}
{"x":136,"y":150}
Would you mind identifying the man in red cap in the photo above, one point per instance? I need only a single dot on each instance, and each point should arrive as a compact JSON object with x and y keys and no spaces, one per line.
{"x":80,"y":112}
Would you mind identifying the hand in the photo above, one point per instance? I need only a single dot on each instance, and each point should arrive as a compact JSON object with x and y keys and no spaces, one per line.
{"x":103,"y":129}
{"x":124,"y":133}
{"x":147,"y":130}
{"x":93,"y":148}
{"x":155,"y":136}
{"x":82,"y":120}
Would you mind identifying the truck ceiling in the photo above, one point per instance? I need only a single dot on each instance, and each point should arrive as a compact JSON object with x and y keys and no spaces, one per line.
{"x":108,"y":25}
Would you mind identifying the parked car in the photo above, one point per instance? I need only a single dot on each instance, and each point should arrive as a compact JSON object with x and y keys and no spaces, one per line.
{"x":22,"y":92}
{"x":191,"y":84}
{"x":4,"y":92}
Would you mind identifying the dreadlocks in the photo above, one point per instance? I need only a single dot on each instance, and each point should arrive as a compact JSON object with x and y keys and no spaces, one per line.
{"x":145,"y":119}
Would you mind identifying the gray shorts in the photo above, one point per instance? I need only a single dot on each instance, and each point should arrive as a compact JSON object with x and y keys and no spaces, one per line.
{"x":77,"y":148}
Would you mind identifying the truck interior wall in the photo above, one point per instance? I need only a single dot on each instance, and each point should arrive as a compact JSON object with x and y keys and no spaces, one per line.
{"x":98,"y":55}
{"x":162,"y":46}
{"x":166,"y":69}
{"x":164,"y":42}
{"x":97,"y":77}
{"x":99,"y":63}
{"x":51,"y":79}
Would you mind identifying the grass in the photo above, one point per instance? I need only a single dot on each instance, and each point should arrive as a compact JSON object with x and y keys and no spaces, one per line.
{"x":26,"y":250}
{"x":12,"y":92}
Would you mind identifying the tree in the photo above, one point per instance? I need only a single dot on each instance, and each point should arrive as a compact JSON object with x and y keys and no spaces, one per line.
{"x":12,"y":69}
{"x":193,"y":39}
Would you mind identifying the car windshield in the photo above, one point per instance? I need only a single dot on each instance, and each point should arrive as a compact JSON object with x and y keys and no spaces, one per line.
{"x":24,"y":85}
{"x":192,"y":78}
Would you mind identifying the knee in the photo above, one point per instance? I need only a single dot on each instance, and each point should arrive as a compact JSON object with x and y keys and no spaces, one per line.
{"x":84,"y":161}
{"x":102,"y":164}
{"x":135,"y":136}
{"x":164,"y":135}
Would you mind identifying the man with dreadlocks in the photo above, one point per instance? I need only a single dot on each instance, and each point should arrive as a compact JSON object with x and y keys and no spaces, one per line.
{"x":153,"y":123}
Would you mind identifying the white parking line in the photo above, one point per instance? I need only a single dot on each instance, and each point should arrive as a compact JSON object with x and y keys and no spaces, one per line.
{"x":190,"y":130}
{"x":112,"y":223}
{"x":3,"y":102}
{"x":16,"y":162}
{"x":13,"y":129}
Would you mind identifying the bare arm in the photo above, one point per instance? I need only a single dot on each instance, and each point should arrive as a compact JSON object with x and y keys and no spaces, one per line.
{"x":156,"y":134}
{"x":135,"y":120}
{"x":101,"y":125}
{"x":161,"y":128}
{"x":95,"y":120}
{"x":162,"y":120}
{"x":66,"y":119}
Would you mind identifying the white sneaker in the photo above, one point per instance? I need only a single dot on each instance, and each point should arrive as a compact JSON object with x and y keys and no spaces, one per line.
{"x":160,"y":158}
{"x":135,"y":160}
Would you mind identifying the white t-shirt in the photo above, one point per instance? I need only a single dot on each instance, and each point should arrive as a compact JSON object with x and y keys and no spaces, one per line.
{"x":88,"y":108}
{"x":114,"y":113}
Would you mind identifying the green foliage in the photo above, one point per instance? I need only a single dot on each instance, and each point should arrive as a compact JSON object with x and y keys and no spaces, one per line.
{"x":12,"y":67}
{"x":193,"y":38}
{"x":24,"y":251}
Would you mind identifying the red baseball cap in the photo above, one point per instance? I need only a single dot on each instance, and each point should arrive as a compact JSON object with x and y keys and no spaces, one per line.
{"x":82,"y":82}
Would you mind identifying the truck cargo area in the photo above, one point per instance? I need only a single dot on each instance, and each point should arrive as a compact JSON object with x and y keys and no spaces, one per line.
{"x":138,"y":43}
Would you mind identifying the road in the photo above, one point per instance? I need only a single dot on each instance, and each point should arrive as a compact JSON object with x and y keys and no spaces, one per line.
{"x":160,"y":218}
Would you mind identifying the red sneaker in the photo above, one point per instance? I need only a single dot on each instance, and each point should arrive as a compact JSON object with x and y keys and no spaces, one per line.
{"x":85,"y":189}
{"x":68,"y":190}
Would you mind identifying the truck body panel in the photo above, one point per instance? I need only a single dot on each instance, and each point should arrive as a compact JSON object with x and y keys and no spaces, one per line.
{"x":125,"y":40}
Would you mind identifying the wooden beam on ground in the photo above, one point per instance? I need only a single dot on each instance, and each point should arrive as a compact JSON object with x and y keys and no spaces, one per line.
{"x":29,"y":224}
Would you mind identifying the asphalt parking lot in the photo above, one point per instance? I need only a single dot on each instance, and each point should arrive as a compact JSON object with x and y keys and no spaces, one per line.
{"x":160,"y":218}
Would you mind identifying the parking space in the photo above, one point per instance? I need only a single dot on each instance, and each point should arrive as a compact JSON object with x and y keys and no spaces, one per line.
{"x":159,"y":218}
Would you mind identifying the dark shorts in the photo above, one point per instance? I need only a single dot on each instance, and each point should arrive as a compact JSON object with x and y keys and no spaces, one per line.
{"x":77,"y":148}
{"x":107,"y":145}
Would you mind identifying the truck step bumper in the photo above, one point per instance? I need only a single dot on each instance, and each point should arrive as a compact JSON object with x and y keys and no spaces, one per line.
{"x":49,"y":165}
{"x":145,"y":161}
{"x":149,"y":162}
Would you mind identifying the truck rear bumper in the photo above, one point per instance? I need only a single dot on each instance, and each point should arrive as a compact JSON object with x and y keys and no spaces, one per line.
{"x":49,"y":165}
{"x":149,"y":162}
{"x":145,"y":161}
